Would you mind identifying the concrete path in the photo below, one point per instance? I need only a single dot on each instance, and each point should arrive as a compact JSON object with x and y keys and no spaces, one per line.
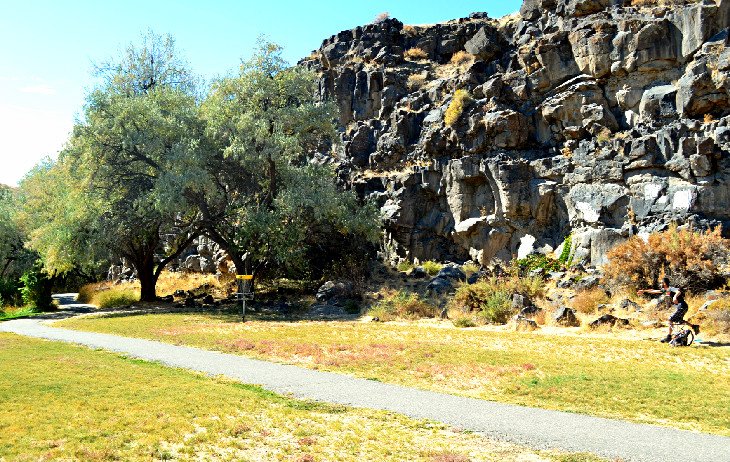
{"x":537,"y":428}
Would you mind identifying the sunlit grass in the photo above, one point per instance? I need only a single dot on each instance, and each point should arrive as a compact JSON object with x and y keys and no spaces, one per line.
{"x":110,"y":295}
{"x":8,"y":313}
{"x":63,"y":402}
{"x":636,"y":380}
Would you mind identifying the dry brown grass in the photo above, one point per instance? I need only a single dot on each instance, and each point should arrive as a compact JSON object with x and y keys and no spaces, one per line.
{"x":99,"y":293}
{"x":462,"y":58}
{"x":458,"y":104}
{"x":415,"y":54}
{"x":409,"y":30}
{"x":586,"y":301}
{"x":416,"y":81}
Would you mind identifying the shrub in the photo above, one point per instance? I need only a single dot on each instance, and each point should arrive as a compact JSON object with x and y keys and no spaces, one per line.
{"x":470,"y":268}
{"x":416,"y":81}
{"x":36,"y":288}
{"x":464,"y":321}
{"x":459,"y":102}
{"x":86,"y":293}
{"x":689,"y":258}
{"x":381,"y":17}
{"x":538,"y":261}
{"x":409,"y":30}
{"x":404,"y":266}
{"x":491,"y":299}
{"x":586,"y":301}
{"x":415,"y":54}
{"x":461,"y":58}
{"x":402,"y":304}
{"x":432,"y":267}
{"x":9,"y":292}
{"x":565,"y":256}
{"x":707,"y":118}
{"x":716,"y":320}
{"x":115,"y":297}
{"x":604,"y":136}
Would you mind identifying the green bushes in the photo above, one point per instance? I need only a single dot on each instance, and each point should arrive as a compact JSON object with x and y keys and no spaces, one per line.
{"x":9,"y":293}
{"x":432,"y":267}
{"x":491,"y":299}
{"x":459,"y":102}
{"x":402,"y":304}
{"x":538,"y":261}
{"x":36,"y":289}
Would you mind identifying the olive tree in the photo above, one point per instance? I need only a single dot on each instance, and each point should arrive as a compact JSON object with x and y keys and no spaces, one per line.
{"x":263,"y":202}
{"x":110,"y":181}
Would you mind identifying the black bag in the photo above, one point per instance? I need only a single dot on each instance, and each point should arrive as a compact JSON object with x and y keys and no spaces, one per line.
{"x":680,"y":338}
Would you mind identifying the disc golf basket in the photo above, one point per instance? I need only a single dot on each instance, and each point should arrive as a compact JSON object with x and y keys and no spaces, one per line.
{"x":245,"y":292}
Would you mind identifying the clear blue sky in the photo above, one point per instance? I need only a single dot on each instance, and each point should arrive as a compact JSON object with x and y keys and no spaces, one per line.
{"x":48,"y":48}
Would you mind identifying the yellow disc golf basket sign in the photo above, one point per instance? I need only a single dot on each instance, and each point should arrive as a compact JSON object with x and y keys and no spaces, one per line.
{"x":245,"y":291}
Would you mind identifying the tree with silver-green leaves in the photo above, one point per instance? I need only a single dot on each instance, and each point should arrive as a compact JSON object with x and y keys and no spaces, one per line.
{"x":264,"y":202}
{"x":140,"y":123}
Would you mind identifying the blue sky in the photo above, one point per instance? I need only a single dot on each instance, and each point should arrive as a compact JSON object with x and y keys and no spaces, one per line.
{"x":49,"y":47}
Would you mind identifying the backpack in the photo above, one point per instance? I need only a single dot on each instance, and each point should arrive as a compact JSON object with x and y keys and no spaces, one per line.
{"x":680,"y":338}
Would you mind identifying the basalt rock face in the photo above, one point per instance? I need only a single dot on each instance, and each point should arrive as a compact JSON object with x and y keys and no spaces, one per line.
{"x":590,"y":117}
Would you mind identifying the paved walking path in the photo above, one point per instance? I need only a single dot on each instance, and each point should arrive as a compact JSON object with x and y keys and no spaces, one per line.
{"x":537,"y":428}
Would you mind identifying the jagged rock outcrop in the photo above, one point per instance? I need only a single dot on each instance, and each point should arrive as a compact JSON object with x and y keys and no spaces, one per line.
{"x":600,"y":118}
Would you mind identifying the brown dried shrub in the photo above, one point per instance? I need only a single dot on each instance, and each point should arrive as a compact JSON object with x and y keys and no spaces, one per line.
{"x":689,"y":258}
{"x":415,"y":54}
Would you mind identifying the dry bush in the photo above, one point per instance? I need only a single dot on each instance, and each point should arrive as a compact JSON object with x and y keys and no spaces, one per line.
{"x":689,"y":258}
{"x":458,"y":103}
{"x":708,"y":118}
{"x":381,"y":17}
{"x":586,"y":301}
{"x":491,"y":299}
{"x":401,"y":304}
{"x":461,"y":58}
{"x":409,"y":30}
{"x":416,"y":81}
{"x":716,"y":320}
{"x":415,"y":54}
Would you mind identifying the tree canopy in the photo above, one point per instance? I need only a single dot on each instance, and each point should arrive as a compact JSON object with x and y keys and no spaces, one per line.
{"x":152,"y":165}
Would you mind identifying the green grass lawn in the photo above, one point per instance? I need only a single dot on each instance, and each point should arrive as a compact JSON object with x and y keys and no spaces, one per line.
{"x":641,"y":381}
{"x":63,"y":402}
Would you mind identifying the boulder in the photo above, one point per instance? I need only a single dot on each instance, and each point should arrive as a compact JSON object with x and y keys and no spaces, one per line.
{"x":523,"y":324}
{"x":629,"y":305}
{"x":566,"y":317}
{"x":451,"y":272}
{"x":334,"y":290}
{"x":439,"y":286}
{"x":485,"y":44}
{"x":530,"y":312}
{"x":608,"y":320}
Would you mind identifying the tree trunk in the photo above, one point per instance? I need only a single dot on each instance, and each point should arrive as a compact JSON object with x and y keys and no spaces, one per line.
{"x":147,"y":280}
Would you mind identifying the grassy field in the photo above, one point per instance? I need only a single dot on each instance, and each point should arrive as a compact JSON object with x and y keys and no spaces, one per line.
{"x":641,"y":381}
{"x":63,"y":402}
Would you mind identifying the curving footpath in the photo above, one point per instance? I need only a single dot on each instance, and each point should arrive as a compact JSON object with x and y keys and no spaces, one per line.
{"x":537,"y":428}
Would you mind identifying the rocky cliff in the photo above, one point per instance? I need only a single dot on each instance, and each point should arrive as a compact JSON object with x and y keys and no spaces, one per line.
{"x":594,"y":118}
